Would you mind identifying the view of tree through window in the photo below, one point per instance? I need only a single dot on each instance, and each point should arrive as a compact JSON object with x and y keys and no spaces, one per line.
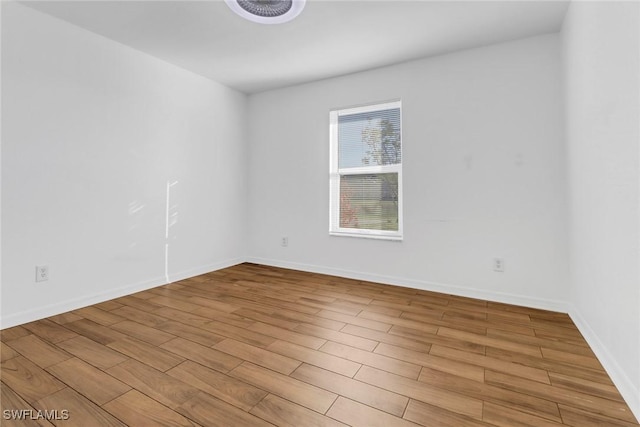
{"x":369,"y":201}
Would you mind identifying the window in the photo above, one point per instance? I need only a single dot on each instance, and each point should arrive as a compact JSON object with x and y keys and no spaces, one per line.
{"x":366,"y":172}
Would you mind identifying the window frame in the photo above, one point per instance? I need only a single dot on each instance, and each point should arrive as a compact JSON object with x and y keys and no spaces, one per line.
{"x":335,"y":172}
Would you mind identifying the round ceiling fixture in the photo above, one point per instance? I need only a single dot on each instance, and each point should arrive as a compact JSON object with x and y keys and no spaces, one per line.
{"x":267,"y":11}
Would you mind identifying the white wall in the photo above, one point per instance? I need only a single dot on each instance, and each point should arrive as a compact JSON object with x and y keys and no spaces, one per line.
{"x":483,"y":170}
{"x":92,"y":133}
{"x":601,"y":64}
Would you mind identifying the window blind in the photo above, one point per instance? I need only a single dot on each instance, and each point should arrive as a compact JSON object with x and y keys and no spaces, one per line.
{"x":366,"y":171}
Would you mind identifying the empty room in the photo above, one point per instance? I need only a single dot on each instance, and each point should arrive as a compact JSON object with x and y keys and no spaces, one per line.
{"x":320,"y":213}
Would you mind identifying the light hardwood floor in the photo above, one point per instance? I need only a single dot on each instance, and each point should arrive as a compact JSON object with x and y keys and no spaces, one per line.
{"x":254,"y":345}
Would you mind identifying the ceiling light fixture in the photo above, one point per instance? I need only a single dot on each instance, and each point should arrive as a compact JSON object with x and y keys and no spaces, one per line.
{"x":267,"y":11}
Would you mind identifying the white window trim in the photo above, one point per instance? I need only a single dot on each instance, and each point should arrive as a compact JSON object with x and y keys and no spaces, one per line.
{"x":335,"y":172}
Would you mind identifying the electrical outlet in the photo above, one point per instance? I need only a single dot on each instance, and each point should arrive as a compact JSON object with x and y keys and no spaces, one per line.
{"x":42,"y":273}
{"x":498,"y":265}
{"x":284,"y":242}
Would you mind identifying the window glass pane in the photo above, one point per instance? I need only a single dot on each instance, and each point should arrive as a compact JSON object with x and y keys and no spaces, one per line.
{"x":369,"y":139}
{"x":369,"y":201}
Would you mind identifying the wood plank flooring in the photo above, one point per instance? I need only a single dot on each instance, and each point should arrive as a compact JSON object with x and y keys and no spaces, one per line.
{"x":254,"y":345}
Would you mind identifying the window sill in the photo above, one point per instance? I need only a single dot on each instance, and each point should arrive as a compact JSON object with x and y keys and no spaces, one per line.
{"x":395,"y":238}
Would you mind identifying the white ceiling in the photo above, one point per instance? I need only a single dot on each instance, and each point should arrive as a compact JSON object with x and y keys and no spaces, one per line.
{"x":329,"y":38}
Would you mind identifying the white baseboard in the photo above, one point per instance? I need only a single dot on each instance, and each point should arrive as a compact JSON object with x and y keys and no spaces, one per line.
{"x":197,"y":271}
{"x":544,"y":304}
{"x":623,"y":383}
{"x":76,"y":303}
{"x":84,"y":301}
